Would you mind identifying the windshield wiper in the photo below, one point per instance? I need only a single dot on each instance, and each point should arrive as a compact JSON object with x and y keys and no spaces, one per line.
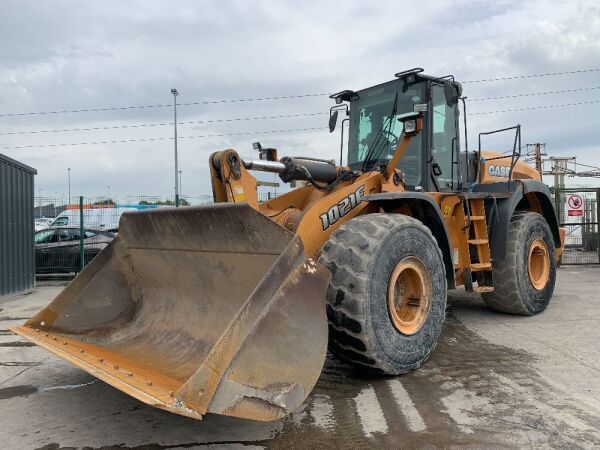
{"x":373,"y":155}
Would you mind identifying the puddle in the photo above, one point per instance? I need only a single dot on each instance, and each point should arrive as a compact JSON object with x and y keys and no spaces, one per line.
{"x":28,"y":389}
{"x":17,"y":344}
{"x":17,"y":391}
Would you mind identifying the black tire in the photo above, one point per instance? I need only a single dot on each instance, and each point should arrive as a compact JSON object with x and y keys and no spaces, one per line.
{"x":514,"y":292}
{"x":361,"y":256}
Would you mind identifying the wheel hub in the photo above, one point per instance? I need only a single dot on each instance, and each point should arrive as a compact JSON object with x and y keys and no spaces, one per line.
{"x":409,"y":295}
{"x":538,"y":264}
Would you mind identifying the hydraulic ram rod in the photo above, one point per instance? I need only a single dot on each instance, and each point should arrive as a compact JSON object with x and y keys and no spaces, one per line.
{"x":264,"y":166}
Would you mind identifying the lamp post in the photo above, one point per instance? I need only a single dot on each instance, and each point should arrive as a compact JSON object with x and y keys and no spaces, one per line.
{"x":69,"y":178}
{"x":175,"y":94}
{"x":180,"y":185}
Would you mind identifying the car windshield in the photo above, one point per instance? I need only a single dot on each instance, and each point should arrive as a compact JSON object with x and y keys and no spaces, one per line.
{"x":42,"y":237}
{"x":61,"y":222}
{"x":375,"y":130}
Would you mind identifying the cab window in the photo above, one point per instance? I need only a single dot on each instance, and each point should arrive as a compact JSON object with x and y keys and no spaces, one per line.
{"x":443,"y":139}
{"x":375,"y":129}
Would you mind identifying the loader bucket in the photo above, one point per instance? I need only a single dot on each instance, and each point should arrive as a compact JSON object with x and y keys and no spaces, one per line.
{"x":196,"y":310}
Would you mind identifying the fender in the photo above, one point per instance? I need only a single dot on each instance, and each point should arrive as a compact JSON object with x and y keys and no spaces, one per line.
{"x":498,"y":224}
{"x":424,"y":209}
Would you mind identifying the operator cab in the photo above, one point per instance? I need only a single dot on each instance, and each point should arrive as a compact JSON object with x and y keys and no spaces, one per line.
{"x":431,"y":162}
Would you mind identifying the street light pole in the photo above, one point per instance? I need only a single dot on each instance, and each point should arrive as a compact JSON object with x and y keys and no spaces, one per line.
{"x":69,"y":177}
{"x":175,"y":94}
{"x":180,"y":185}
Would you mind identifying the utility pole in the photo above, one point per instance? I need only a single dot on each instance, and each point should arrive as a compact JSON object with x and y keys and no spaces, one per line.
{"x":538,"y":156}
{"x":175,"y":94}
{"x":560,"y":168}
{"x":69,"y":177}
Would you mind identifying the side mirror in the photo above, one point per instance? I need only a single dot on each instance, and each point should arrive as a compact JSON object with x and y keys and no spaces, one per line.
{"x":333,"y":120}
{"x":450,"y":93}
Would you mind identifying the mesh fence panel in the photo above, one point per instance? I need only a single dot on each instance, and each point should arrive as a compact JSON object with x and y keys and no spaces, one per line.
{"x":58,"y":226}
{"x":578,"y":209}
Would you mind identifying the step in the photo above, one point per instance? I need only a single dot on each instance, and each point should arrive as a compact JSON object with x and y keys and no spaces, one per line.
{"x":478,"y":241}
{"x":478,"y":267}
{"x":482,"y":289}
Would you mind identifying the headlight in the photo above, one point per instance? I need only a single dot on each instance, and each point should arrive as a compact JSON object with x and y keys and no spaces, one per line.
{"x":410,"y":126}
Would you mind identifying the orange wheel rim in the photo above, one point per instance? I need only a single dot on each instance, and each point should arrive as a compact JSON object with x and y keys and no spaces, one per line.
{"x":538,"y":264}
{"x":409,"y":295}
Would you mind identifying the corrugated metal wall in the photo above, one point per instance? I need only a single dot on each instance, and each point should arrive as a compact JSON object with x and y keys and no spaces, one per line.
{"x":17,"y":250}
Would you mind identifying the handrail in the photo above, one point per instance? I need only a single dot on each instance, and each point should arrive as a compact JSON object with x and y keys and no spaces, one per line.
{"x":516,"y":152}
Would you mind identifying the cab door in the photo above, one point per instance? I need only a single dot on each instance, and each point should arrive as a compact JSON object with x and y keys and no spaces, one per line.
{"x":444,"y":141}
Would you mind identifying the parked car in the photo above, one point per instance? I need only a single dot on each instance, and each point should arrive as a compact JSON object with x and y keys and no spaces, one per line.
{"x":43,"y":223}
{"x":95,"y":218}
{"x":57,"y":249}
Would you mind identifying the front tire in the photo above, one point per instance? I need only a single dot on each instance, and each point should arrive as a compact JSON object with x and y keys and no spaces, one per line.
{"x":524,"y":280}
{"x":387,"y":297}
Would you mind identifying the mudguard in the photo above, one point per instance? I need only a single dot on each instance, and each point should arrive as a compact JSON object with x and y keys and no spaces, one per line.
{"x":427,"y":211}
{"x":499,"y":221}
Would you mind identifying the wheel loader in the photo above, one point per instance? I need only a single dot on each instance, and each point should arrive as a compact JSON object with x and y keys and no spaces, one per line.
{"x":230,"y":308}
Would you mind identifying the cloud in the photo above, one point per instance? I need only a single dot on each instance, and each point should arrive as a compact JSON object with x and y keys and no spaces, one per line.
{"x":71,"y":55}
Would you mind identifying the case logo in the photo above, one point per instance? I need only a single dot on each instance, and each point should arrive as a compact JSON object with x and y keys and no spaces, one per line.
{"x":498,"y":171}
{"x":339,"y":210}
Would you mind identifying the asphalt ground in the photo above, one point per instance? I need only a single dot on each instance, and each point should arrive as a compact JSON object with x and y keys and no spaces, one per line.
{"x":494,"y":381}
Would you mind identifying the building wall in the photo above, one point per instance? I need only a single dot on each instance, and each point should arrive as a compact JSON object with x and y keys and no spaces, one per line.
{"x":17,"y":250}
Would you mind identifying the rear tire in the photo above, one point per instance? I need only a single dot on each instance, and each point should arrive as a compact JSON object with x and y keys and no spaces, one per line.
{"x":524,"y":280}
{"x":373,"y":259}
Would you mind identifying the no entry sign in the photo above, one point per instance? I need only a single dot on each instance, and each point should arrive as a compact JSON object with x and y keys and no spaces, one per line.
{"x":575,"y":205}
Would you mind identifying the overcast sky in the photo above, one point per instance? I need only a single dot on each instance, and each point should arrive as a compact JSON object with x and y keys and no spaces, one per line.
{"x":61,"y":55}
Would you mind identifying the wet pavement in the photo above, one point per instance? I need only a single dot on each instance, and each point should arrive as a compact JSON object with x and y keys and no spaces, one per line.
{"x":493,"y":381}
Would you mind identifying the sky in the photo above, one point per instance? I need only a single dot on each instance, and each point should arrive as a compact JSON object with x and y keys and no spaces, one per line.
{"x":72,"y":55}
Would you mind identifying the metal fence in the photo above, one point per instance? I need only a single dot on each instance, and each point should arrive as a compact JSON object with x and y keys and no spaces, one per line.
{"x":70,"y":233}
{"x":578,"y":211}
